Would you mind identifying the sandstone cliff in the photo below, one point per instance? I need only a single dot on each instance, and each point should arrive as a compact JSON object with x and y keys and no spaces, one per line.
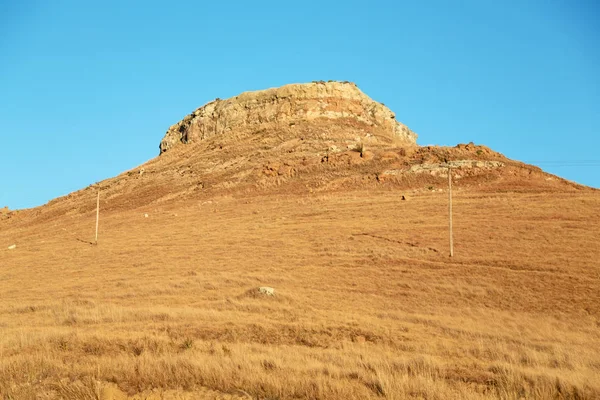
{"x":287,"y":106}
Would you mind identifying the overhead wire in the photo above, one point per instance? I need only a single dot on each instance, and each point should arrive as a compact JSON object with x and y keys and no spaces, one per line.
{"x":567,"y":163}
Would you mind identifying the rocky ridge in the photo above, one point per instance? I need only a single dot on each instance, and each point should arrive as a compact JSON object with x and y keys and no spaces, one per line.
{"x":287,"y":106}
{"x":301,"y":139}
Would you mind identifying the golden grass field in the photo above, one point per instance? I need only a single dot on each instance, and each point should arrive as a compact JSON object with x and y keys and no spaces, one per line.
{"x":368,"y":304}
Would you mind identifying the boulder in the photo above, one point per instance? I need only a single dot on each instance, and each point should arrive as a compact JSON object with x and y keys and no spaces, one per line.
{"x":267,"y":291}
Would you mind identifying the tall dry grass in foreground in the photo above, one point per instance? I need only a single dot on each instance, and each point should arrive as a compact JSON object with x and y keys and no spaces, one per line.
{"x":367,"y":305}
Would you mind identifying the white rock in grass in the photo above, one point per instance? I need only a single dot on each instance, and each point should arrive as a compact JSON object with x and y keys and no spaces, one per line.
{"x":12,"y":247}
{"x":268,"y":291}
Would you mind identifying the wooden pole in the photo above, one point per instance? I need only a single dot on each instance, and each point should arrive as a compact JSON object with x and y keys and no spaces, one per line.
{"x":97,"y":214}
{"x":450,"y":209}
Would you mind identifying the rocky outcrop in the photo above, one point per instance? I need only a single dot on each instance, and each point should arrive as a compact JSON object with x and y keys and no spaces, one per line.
{"x":442,"y":168}
{"x":251,"y":112}
{"x":461,"y":169}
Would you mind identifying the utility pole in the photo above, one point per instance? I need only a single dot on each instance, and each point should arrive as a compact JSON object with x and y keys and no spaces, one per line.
{"x":450,"y":208}
{"x":97,"y":214}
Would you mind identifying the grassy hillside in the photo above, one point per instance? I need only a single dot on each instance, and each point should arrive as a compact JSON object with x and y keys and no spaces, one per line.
{"x":367,"y":302}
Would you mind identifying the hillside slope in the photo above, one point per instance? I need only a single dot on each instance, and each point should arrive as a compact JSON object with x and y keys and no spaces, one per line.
{"x":367,"y":302}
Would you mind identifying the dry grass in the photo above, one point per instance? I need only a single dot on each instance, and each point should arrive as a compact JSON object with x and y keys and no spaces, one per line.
{"x":367,"y":304}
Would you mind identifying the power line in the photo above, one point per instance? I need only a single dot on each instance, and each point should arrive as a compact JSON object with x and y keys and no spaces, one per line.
{"x":567,"y":163}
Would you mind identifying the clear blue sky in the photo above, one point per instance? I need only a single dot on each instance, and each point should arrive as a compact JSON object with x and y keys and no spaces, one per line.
{"x":88,"y":88}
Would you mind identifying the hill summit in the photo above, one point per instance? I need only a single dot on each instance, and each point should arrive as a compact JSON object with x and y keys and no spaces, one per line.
{"x":287,"y":106}
{"x":302,"y":139}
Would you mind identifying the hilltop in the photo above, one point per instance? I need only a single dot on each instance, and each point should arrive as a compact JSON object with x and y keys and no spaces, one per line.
{"x":347,"y":109}
{"x":319,"y":192}
{"x":300,"y":138}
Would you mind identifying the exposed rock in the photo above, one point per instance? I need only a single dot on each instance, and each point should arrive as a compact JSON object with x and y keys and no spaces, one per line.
{"x":268,"y":291}
{"x":12,"y":247}
{"x":442,"y":168}
{"x":460,"y":168}
{"x":286,"y":107}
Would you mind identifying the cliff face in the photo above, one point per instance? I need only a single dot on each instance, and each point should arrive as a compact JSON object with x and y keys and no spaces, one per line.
{"x":286,"y":107}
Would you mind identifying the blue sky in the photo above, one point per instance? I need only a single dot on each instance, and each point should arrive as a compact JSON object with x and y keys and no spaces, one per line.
{"x":88,"y":89}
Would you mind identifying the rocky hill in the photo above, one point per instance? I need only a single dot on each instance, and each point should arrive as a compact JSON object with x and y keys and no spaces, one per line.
{"x":251,"y":113}
{"x":300,"y":190}
{"x":300,"y":138}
